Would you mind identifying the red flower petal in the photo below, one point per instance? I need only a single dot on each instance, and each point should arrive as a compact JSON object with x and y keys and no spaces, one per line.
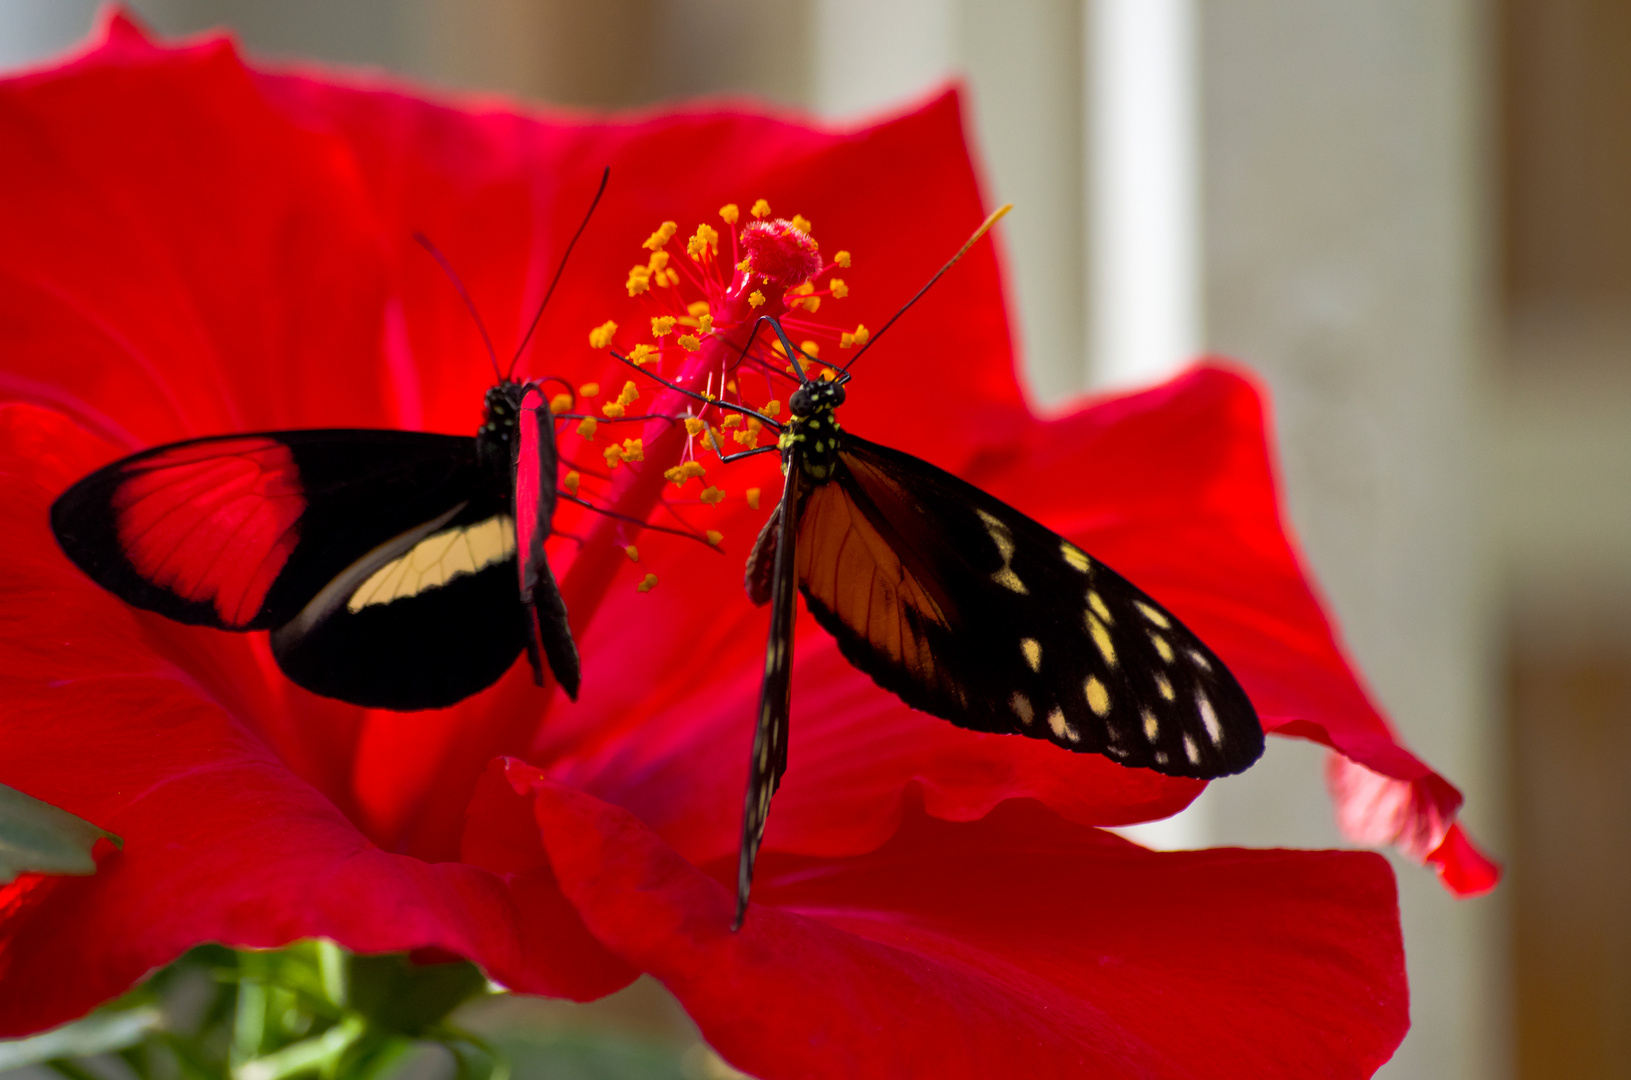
{"x":1018,"y":945}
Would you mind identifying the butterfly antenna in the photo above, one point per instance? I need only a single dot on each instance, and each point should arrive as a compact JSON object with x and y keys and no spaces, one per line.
{"x":981,"y":231}
{"x":470,"y":305}
{"x":605,"y":175}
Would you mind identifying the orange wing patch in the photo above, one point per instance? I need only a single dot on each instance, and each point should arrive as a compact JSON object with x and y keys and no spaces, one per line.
{"x":845,"y":565}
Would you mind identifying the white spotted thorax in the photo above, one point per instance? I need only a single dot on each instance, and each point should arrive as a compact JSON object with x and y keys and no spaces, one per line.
{"x":814,"y":429}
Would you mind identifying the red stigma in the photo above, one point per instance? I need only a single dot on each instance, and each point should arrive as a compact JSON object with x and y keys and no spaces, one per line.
{"x":783,"y":255}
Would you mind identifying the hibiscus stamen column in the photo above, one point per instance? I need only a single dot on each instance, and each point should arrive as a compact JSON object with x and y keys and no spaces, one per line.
{"x":773,"y":277}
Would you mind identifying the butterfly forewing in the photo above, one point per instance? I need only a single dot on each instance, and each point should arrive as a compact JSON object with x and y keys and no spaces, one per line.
{"x":384,"y":561}
{"x":971,"y":611}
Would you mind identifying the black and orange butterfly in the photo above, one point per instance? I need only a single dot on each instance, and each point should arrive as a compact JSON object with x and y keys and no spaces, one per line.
{"x":966,"y":609}
{"x":395,"y":569}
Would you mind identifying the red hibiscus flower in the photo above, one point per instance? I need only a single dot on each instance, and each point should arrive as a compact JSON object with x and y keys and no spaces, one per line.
{"x":192,"y":247}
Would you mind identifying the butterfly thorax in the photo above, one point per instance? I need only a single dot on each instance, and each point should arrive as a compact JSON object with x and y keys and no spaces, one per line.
{"x":496,"y":438}
{"x":813,"y":429}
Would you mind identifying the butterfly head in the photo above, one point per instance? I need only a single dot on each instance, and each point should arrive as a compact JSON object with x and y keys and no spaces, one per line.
{"x":815,"y":397}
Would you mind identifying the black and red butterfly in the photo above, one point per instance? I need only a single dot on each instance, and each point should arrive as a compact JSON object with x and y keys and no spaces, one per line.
{"x":395,"y":569}
{"x":966,"y":609}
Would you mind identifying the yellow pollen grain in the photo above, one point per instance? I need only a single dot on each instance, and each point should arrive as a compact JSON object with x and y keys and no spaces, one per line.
{"x":713,"y":536}
{"x":1096,"y":602}
{"x":632,"y":552}
{"x":761,"y":209}
{"x":639,"y":280}
{"x":697,"y":309}
{"x":801,"y":223}
{"x":842,"y":259}
{"x":838,"y":288}
{"x":756,"y":299}
{"x":662,"y":325}
{"x":589,"y":389}
{"x":694,"y":426}
{"x":587,"y":427}
{"x":1075,"y":556}
{"x":601,"y":336}
{"x":1101,"y":638}
{"x":689,"y":342}
{"x":629,"y":393}
{"x":730,"y":213}
{"x":679,"y":474}
{"x":1098,"y":698}
{"x":705,"y":240}
{"x":711,"y":495}
{"x":705,"y":324}
{"x":643,"y":354}
{"x":734,"y":420}
{"x":570,"y":481}
{"x":1161,"y":647}
{"x":634,"y":450}
{"x":665,"y":232}
{"x":658,"y":260}
{"x":859,"y":337}
{"x":752,"y":495}
{"x":613,"y":410}
{"x":560,"y":403}
{"x":647,"y":583}
{"x":613,"y":456}
{"x":771,"y":407}
{"x":1032,"y":649}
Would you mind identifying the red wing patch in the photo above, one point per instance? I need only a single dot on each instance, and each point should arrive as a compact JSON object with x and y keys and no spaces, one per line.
{"x":212,"y":521}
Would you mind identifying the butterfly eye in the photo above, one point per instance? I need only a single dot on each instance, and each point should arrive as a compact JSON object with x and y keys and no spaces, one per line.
{"x":799,"y":403}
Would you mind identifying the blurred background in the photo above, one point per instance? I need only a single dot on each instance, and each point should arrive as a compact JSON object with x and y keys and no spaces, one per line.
{"x":1413,"y":217}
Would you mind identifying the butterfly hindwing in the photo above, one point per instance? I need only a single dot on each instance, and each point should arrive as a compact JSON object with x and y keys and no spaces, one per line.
{"x":971,"y":611}
{"x":768,"y":760}
{"x":547,"y":629}
{"x":384,"y":561}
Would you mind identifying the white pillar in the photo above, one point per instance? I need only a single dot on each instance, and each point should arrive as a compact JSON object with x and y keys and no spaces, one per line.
{"x":1145,"y":272}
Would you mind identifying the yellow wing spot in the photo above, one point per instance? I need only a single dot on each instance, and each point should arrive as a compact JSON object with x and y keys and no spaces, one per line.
{"x":1010,"y":580}
{"x":1032,"y":649}
{"x":1160,"y":757}
{"x":1101,"y":638}
{"x":1096,"y":602}
{"x":1200,"y":660}
{"x":1165,"y":687}
{"x":1022,"y":708}
{"x":999,"y":534}
{"x":1161,"y":647}
{"x":1075,"y":556}
{"x":1209,"y":718}
{"x":1098,"y":698}
{"x":1191,"y":751}
{"x":1154,"y":614}
{"x":1152,"y":729}
{"x":1061,"y":728}
{"x":438,"y":559}
{"x":647,"y":583}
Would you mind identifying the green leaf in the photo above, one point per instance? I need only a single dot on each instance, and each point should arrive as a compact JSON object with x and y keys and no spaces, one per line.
{"x":36,"y":837}
{"x":99,"y":1033}
{"x":400,"y":996}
